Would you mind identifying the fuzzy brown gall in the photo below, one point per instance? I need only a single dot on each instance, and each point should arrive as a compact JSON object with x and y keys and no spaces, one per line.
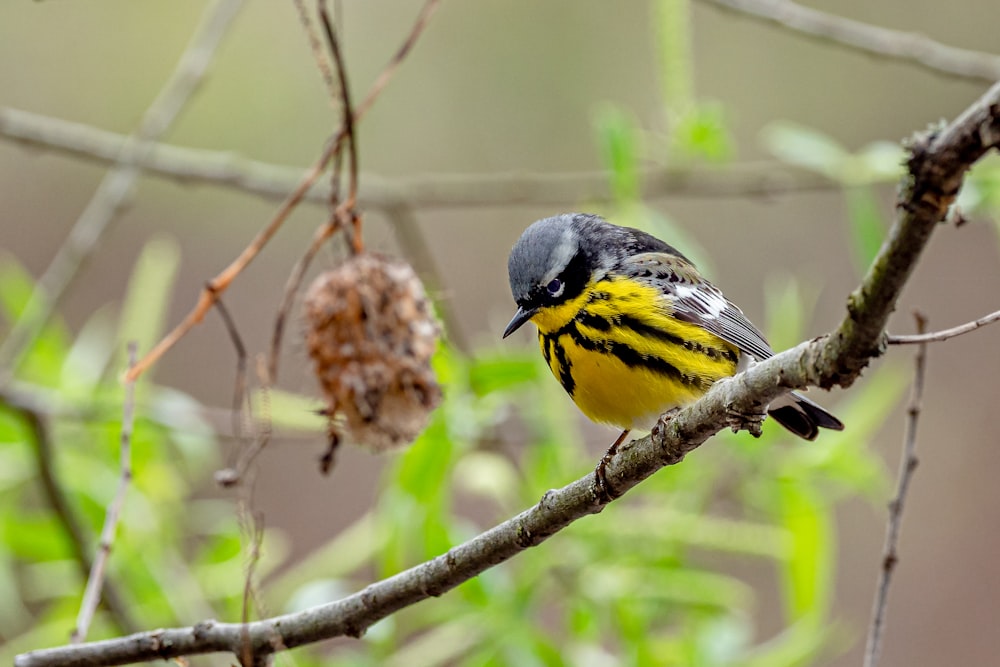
{"x":371,"y":334}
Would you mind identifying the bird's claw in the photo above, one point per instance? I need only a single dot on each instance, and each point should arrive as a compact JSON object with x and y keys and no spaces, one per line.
{"x":602,"y":490}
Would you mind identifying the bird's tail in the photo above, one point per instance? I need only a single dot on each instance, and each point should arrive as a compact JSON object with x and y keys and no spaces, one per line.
{"x":801,"y":416}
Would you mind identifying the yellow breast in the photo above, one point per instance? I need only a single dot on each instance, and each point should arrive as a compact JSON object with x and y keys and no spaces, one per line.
{"x":624,"y":359}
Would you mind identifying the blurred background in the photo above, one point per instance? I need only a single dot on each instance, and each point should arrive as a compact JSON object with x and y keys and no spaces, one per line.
{"x":768,"y":156}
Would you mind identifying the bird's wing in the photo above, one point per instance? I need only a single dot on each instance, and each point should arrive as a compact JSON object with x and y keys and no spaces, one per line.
{"x":693,"y":299}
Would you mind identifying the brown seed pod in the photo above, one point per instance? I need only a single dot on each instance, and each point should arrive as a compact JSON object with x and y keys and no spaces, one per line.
{"x":371,"y":334}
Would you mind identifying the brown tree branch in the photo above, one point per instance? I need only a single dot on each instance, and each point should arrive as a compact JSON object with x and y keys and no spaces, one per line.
{"x":937,"y":165}
{"x":882,"y":42}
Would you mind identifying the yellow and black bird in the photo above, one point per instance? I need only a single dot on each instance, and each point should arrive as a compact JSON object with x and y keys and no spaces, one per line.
{"x":630,"y":328}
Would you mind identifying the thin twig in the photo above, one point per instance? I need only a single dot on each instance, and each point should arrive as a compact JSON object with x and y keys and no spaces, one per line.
{"x":254,"y":525}
{"x":907,"y":47}
{"x":114,"y":190}
{"x":222,"y":281}
{"x":763,"y":179}
{"x":419,"y":25}
{"x":263,"y":430}
{"x":240,"y":394}
{"x":316,"y":46}
{"x":938,"y":336}
{"x":95,"y":580}
{"x":907,"y":466}
{"x":291,"y":289}
{"x":251,"y":522}
{"x":346,"y":211}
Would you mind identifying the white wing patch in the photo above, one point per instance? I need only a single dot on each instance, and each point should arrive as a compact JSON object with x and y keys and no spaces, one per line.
{"x":711,"y":303}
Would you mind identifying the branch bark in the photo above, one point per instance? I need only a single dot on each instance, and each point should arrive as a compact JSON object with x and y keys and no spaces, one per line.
{"x":937,"y":165}
{"x":274,"y":182}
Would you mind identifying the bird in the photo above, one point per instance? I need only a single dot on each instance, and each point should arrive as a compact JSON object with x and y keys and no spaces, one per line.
{"x":631,"y":329}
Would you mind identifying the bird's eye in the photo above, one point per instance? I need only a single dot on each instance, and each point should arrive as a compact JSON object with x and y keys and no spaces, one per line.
{"x":555,"y":287}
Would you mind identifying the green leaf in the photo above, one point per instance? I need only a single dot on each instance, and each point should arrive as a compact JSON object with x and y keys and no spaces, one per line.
{"x":487,"y":475}
{"x":786,"y":310}
{"x":502,"y":371}
{"x":687,"y":586}
{"x":702,"y":132}
{"x":880,"y":161}
{"x":672,"y":25}
{"x":805,"y":147}
{"x":422,"y":469}
{"x":85,"y":364}
{"x":35,"y":537}
{"x":618,"y":138}
{"x":290,"y":410}
{"x":796,"y":646}
{"x":16,"y":464}
{"x":149,"y":290}
{"x":660,"y":527}
{"x":42,"y":360}
{"x":806,"y":576}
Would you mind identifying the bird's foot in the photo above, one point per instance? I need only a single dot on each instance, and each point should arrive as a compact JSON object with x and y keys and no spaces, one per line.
{"x":602,"y":490}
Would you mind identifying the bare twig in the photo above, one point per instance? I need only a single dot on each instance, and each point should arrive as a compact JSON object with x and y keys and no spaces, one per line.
{"x":95,"y":579}
{"x":291,"y":289}
{"x":430,"y":6}
{"x":882,"y":42}
{"x":262,"y":432}
{"x":907,"y":466}
{"x":316,"y":46}
{"x":937,"y":165}
{"x":759,"y":179}
{"x":938,"y":336}
{"x":253,"y":524}
{"x":346,"y":212}
{"x":222,"y":281}
{"x":114,"y":190}
{"x":240,"y":395}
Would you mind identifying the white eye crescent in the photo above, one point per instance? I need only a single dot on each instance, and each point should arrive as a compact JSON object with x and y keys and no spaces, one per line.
{"x":555,"y":287}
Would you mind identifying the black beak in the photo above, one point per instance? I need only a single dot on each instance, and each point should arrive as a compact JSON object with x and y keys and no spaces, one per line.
{"x":520,"y":317}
